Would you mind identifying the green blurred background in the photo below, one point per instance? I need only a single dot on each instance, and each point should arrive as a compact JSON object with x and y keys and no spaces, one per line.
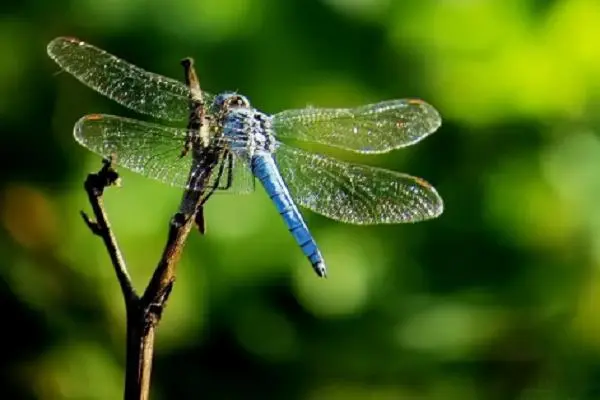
{"x":497,"y":299}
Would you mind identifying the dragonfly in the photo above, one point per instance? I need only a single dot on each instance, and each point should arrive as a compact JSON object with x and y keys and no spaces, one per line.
{"x":256,"y":146}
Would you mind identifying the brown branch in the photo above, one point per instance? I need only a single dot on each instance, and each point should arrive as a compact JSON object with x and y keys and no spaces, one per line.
{"x":94,"y":186}
{"x":144,"y":313}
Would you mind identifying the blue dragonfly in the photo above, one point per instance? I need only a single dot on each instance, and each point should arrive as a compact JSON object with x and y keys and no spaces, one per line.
{"x":251,"y":143}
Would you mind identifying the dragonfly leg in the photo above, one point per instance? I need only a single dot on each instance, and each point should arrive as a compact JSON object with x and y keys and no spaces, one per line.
{"x":199,"y":220}
{"x":215,"y":185}
{"x":229,"y":181}
{"x":199,"y":216}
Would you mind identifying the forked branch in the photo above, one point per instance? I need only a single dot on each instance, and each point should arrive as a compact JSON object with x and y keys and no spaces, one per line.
{"x":144,"y":312}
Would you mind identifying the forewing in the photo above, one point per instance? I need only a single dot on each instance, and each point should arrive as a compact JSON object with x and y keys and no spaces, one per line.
{"x":354,"y":193}
{"x":373,"y":128}
{"x":130,"y":86}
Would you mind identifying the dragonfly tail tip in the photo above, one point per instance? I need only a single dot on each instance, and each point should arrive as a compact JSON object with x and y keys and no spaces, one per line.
{"x":320,"y":269}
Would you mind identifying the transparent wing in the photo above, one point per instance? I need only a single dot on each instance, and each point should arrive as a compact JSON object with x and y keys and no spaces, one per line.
{"x":148,"y":149}
{"x":130,"y":86}
{"x":373,"y":128}
{"x":353,"y":193}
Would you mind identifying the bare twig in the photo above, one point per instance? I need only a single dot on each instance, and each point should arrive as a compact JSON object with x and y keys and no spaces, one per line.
{"x":144,"y":313}
{"x":94,"y":186}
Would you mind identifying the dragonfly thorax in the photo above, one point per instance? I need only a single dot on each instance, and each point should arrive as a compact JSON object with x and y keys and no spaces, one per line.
{"x":246,"y":129}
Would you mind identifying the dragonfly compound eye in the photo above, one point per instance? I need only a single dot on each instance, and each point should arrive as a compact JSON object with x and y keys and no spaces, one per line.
{"x":229,"y":100}
{"x":235,"y":101}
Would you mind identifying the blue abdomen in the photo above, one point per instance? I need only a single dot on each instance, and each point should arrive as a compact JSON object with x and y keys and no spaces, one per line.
{"x":265,"y":169}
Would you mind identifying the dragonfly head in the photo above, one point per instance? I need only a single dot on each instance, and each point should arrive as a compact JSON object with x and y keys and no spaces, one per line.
{"x":227,"y":101}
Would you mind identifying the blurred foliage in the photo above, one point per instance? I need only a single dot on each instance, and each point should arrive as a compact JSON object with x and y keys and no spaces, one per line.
{"x":497,"y":299}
